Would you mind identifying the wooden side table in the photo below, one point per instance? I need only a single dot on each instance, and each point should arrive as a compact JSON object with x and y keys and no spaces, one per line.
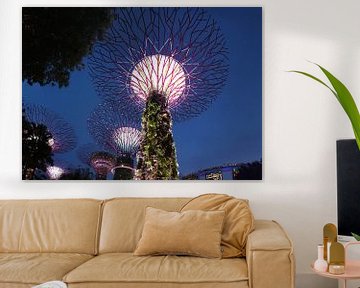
{"x":352,"y":268}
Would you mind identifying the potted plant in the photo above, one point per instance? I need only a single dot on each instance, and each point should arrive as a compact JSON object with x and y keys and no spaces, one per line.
{"x":345,"y":99}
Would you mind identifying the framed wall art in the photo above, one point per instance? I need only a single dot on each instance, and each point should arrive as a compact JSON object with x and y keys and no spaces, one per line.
{"x":145,"y":93}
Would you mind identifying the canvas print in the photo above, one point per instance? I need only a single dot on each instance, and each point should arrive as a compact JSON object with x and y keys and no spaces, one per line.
{"x":145,"y":93}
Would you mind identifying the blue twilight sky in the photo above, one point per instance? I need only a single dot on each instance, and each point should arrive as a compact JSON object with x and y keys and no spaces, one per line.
{"x":230,"y":131}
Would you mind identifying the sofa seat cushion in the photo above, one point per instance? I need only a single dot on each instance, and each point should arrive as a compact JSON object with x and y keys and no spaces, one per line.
{"x":127,"y":268}
{"x":36,"y":268}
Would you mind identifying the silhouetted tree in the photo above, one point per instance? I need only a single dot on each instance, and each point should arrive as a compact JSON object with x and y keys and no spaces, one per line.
{"x":192,"y":176}
{"x":78,"y":174}
{"x":157,"y":154}
{"x":124,"y":173}
{"x":36,"y":150}
{"x":56,"y":39}
{"x":248,"y":171}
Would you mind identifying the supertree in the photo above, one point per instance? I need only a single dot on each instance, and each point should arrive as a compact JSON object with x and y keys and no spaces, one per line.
{"x":63,"y":138}
{"x":98,"y":159}
{"x":178,"y":54}
{"x":59,"y":168}
{"x":118,"y":132}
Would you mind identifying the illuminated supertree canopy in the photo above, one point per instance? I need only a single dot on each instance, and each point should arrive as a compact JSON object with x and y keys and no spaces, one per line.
{"x":63,"y":135}
{"x":179,"y":53}
{"x":101,"y":161}
{"x":115,"y":130}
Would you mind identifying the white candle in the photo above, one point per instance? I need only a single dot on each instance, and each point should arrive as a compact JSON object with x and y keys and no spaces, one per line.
{"x":328,"y":252}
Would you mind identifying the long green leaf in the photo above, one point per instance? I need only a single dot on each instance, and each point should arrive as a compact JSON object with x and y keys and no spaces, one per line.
{"x":347,"y":102}
{"x":357,"y":237}
{"x":316,"y":79}
{"x":344,"y":97}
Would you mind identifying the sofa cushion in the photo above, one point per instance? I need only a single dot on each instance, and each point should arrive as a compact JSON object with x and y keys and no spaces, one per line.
{"x":126,"y":268}
{"x":123,"y":220}
{"x":193,"y":232}
{"x":63,"y":226}
{"x":36,"y":268}
{"x":238,"y":223}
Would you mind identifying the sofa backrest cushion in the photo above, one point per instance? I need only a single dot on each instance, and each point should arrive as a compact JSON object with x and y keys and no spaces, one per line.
{"x":66,"y":226}
{"x":238,"y":224}
{"x":123,"y":220}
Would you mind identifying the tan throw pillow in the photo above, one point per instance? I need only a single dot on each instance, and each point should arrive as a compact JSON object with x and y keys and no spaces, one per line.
{"x":196,"y":233}
{"x":239,"y":220}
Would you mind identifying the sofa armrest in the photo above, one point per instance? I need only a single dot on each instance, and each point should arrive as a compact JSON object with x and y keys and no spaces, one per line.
{"x":269,"y":256}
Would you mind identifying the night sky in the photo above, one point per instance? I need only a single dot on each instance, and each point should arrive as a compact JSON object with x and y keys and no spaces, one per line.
{"x":230,"y":131}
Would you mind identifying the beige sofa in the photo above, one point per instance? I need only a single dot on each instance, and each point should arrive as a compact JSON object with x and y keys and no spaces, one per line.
{"x":89,"y":243}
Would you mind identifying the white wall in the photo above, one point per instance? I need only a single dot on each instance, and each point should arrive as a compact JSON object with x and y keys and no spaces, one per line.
{"x":301,"y":120}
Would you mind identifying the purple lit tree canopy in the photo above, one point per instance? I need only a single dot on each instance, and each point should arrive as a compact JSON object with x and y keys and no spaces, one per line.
{"x":115,"y":130}
{"x":63,"y":138}
{"x":179,"y":53}
{"x":101,"y":161}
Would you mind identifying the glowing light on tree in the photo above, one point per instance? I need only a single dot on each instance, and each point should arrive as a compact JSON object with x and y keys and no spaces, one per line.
{"x":101,"y":161}
{"x":127,"y":139}
{"x":54,"y":172}
{"x":179,"y":53}
{"x":63,"y":135}
{"x":115,"y":130}
{"x":158,"y":73}
{"x":60,"y":167}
